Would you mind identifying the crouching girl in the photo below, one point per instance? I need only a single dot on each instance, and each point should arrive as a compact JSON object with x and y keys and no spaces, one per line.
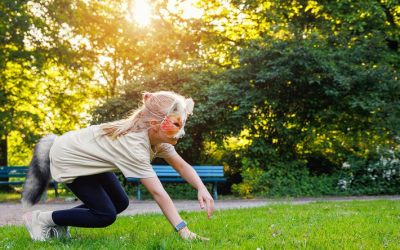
{"x":86,"y":160}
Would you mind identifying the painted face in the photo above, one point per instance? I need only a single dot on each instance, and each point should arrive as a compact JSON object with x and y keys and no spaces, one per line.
{"x":174,"y":122}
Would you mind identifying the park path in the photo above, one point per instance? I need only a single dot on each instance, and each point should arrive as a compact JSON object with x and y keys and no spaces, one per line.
{"x":11,"y":213}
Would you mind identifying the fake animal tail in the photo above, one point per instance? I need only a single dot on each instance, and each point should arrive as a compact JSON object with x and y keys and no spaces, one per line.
{"x":38,"y":176}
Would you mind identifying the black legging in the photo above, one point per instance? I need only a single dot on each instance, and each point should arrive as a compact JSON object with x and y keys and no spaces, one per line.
{"x":103,"y":198}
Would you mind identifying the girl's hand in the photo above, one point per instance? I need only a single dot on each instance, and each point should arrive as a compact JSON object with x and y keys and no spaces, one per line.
{"x":204,"y":195}
{"x":186,"y":234}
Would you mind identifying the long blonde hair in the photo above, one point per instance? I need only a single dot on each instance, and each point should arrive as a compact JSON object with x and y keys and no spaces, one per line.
{"x":153,"y":104}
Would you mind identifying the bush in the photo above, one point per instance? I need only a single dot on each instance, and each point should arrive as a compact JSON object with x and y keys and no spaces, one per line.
{"x":376,"y":173}
{"x":284,"y":179}
{"x":175,"y":190}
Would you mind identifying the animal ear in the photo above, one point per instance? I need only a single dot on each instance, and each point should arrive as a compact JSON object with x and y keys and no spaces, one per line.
{"x":174,"y":107}
{"x":189,"y":106}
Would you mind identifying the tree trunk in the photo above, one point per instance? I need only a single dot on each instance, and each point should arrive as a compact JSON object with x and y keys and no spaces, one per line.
{"x":3,"y":152}
{"x":4,"y":162}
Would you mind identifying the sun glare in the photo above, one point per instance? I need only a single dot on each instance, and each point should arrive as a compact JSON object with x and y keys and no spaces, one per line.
{"x":141,"y":12}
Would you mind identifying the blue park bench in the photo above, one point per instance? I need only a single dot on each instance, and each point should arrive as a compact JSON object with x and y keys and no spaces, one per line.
{"x":16,"y":176}
{"x":208,"y":174}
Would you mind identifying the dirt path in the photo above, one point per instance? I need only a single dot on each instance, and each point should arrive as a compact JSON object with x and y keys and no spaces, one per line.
{"x":10,"y":213}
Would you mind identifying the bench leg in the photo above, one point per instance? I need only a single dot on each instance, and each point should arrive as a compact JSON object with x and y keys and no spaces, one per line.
{"x":138,"y":190}
{"x":56,"y":188}
{"x":44,"y":196}
{"x":215,"y":191}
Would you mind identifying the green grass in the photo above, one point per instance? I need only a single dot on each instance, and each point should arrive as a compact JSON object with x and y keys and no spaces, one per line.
{"x":321,"y":225}
{"x":15,"y":195}
{"x":11,"y":198}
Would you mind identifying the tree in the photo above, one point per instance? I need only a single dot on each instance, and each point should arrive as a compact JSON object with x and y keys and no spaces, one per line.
{"x":311,"y":75}
{"x":301,"y":82}
{"x":305,"y":85}
{"x":44,"y":83}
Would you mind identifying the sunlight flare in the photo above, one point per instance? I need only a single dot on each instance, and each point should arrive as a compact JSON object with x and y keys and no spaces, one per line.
{"x":141,"y":12}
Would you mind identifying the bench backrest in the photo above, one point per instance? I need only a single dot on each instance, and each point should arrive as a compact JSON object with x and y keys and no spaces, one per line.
{"x":18,"y":172}
{"x":161,"y":170}
{"x":202,"y":171}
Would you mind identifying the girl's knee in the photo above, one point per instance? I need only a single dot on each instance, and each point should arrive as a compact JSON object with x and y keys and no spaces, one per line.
{"x":106,"y":220}
{"x":125,"y":203}
{"x":122,"y":205}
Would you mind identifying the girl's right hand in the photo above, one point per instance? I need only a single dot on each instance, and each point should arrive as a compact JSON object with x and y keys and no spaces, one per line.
{"x":186,"y":234}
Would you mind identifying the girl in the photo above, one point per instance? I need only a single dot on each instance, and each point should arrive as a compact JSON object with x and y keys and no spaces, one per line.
{"x":86,"y":159}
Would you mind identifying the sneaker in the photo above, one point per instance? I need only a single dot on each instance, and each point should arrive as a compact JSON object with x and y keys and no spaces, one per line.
{"x":37,"y":229}
{"x":60,"y":232}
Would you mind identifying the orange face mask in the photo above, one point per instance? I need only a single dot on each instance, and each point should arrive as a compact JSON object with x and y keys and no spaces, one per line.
{"x":174,"y":122}
{"x":172,"y":125}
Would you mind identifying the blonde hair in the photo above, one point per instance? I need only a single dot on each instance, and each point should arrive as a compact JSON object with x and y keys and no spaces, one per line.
{"x":154,"y":106}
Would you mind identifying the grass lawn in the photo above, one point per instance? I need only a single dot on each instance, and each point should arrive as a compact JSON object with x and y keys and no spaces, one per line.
{"x":10,"y":198}
{"x":15,"y":197}
{"x":321,"y":225}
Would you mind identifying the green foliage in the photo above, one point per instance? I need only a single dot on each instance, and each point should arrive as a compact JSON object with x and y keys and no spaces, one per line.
{"x":304,"y":86}
{"x":177,"y":191}
{"x":285,"y":179}
{"x":44,"y":85}
{"x":373,"y":173}
{"x":174,"y":190}
{"x":310,"y":93}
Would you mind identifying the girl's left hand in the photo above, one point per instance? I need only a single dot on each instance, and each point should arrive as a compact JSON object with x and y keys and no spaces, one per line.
{"x":204,"y":196}
{"x":186,"y":234}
